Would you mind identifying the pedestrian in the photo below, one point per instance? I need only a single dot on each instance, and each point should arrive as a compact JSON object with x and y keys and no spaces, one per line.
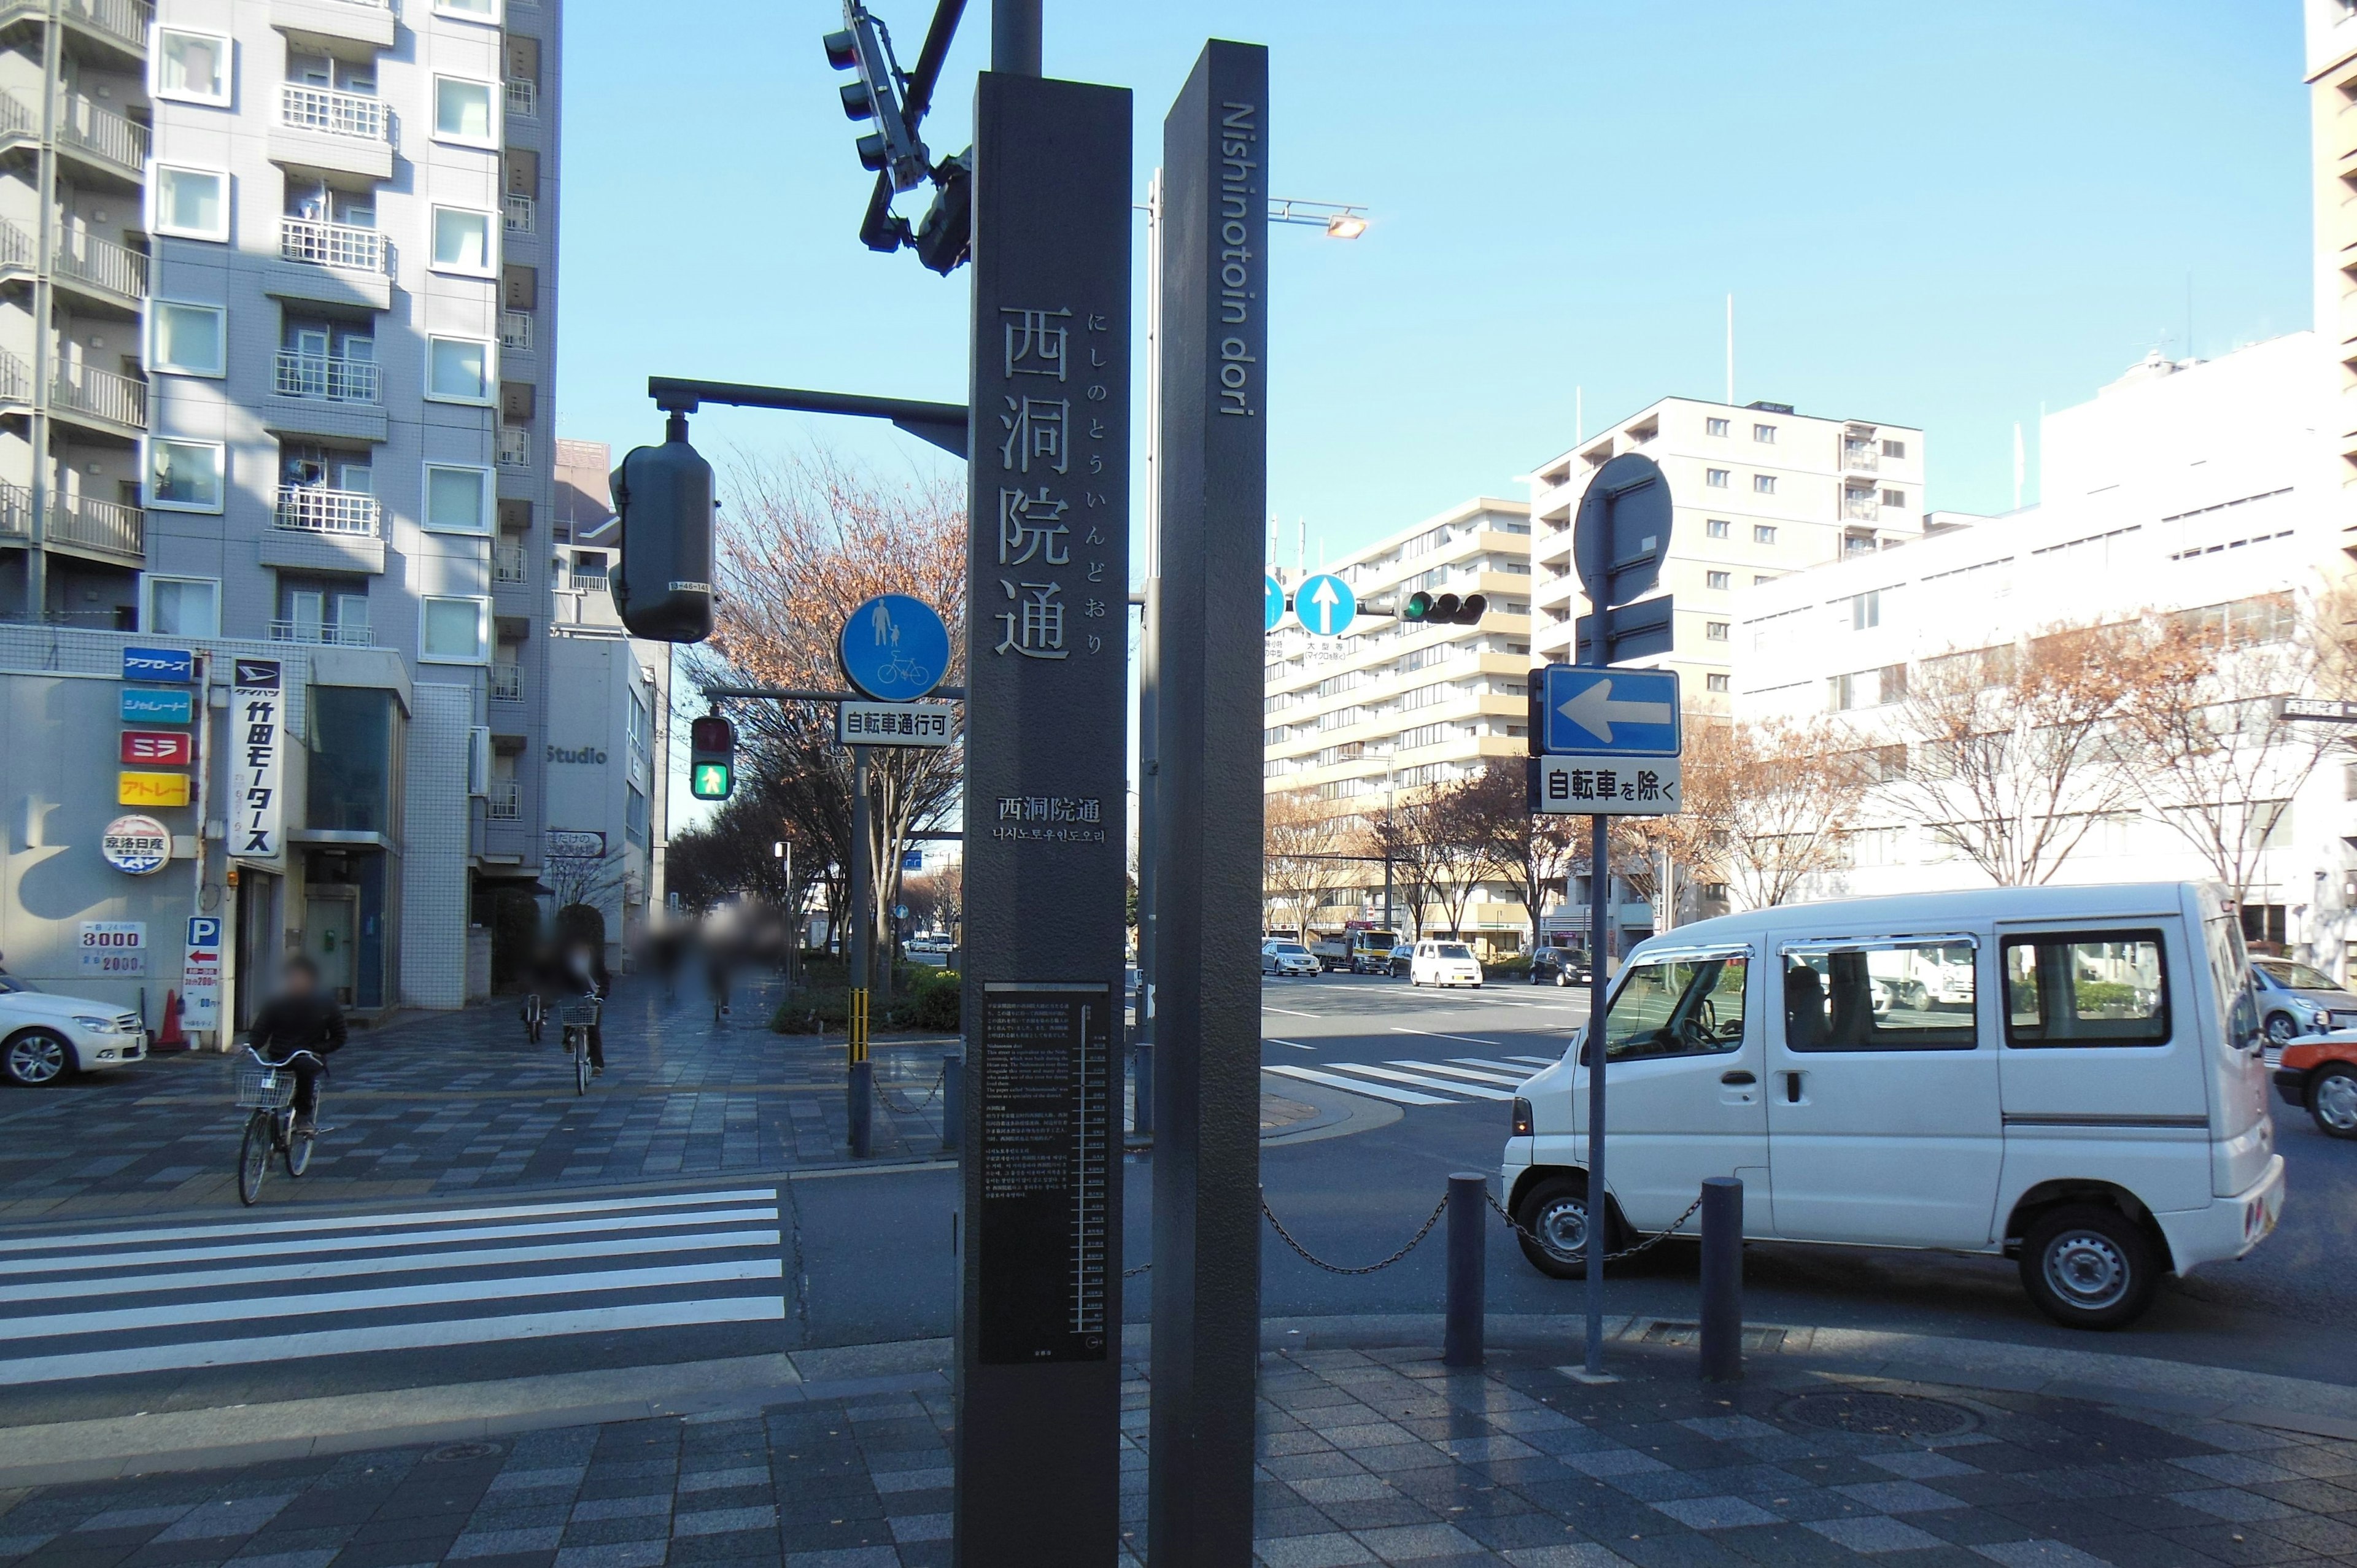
{"x":585,"y":974}
{"x":302,"y":1018}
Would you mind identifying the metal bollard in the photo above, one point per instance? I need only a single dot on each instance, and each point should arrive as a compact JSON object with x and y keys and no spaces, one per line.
{"x":1722,"y":1280}
{"x":1468,"y":1230}
{"x":952,"y":1101}
{"x":859,"y":1090}
{"x":1141,"y":1121}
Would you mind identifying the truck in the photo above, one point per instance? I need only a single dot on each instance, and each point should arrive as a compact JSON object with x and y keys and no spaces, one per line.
{"x":1359,"y":950}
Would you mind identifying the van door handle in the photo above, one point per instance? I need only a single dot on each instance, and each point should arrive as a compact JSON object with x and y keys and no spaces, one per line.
{"x":1737,"y":1077}
{"x":1793,"y":1088}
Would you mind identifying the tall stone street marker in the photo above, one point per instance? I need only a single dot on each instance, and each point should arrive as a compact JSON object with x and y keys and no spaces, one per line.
{"x":1038,"y":1379}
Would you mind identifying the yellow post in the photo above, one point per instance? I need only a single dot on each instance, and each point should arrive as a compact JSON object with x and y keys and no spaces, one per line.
{"x":859,"y":1042}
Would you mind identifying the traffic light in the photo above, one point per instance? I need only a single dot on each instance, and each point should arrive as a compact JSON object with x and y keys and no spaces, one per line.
{"x":711,"y":757}
{"x":664,"y":495}
{"x":892,"y":148}
{"x":1443,"y":609}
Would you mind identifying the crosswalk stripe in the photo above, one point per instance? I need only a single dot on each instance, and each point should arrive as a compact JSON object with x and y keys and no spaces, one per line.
{"x":1478,"y":1092}
{"x":1537,"y":1061}
{"x":1441,"y":1035}
{"x":1381,"y":1091}
{"x":1445,"y":1070}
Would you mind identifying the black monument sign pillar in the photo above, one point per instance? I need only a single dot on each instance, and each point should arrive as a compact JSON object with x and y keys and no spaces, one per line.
{"x":1214,"y":457}
{"x":1038,"y":1379}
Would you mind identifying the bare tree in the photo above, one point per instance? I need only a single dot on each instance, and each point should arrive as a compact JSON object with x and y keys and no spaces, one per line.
{"x":1766,"y":808}
{"x":1400,"y":832}
{"x":1302,"y":848}
{"x":2016,"y":753}
{"x":593,"y":879}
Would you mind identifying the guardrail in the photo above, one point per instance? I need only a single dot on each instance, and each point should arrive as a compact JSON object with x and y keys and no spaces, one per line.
{"x":314,"y":509}
{"x":330,"y":114}
{"x":331,"y":245}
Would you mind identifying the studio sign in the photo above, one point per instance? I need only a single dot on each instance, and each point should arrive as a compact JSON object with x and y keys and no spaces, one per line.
{"x":588,"y":754}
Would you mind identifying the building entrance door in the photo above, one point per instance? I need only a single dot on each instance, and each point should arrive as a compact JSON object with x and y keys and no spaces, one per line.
{"x":330,"y":936}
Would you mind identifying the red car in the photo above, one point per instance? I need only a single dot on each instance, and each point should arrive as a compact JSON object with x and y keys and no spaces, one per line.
{"x":2319,"y":1074}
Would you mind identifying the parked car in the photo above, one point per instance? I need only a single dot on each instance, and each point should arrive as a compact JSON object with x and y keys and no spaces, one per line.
{"x":2318,"y":1074}
{"x":1402,"y":960}
{"x":1560,"y":966}
{"x":44,"y":1038}
{"x":2295,"y":1000}
{"x":2096,"y":1110}
{"x":1444,"y":963}
{"x":1286,"y":958}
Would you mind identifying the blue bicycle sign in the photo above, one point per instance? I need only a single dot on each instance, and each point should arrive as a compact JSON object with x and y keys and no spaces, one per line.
{"x":894,"y":648}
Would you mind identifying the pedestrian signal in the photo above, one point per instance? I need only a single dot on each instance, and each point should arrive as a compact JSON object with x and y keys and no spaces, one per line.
{"x":711,"y":757}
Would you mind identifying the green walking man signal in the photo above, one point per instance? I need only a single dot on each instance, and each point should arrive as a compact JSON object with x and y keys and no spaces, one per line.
{"x":711,"y":757}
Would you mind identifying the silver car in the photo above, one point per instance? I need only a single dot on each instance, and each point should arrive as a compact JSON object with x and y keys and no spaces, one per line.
{"x":2294,"y":999}
{"x":1287,"y":958}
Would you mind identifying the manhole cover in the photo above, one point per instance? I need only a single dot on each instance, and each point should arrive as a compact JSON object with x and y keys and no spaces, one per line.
{"x":1888,"y":1415}
{"x":452,"y":1453}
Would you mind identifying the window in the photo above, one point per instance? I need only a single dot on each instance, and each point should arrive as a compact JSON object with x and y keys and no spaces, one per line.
{"x":1677,"y":1007}
{"x":192,"y":203}
{"x":1714,"y":426}
{"x":452,"y":630}
{"x":473,"y":10}
{"x":1719,"y":579}
{"x":1866,"y":611}
{"x":1765,"y":433}
{"x":1717,"y":683}
{"x":191,"y":67}
{"x":1894,"y":448}
{"x":458,"y":369}
{"x":1715,"y":477}
{"x":458,"y":500}
{"x":1895,"y":997}
{"x":2086,"y":988}
{"x":462,"y":111}
{"x":1718,"y":528}
{"x":1894,"y":497}
{"x":1762,"y":533}
{"x":462,"y":241}
{"x":1763,"y":484}
{"x":1759,"y":577}
{"x":180,"y":607}
{"x":188,"y":339}
{"x":185,"y":475}
{"x":634,"y":815}
{"x":1892,"y":682}
{"x":1716,"y":631}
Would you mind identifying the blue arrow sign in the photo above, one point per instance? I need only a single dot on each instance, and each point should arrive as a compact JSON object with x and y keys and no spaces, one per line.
{"x":1272,"y":607}
{"x":1614,"y":712}
{"x":1325,"y":605}
{"x":894,"y":648}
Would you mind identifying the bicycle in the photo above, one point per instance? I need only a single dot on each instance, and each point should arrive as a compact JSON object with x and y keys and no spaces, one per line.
{"x":577,"y":1019}
{"x":267,"y":1090}
{"x":535,"y":1014}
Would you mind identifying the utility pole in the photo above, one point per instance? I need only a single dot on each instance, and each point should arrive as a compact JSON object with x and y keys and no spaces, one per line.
{"x":861,"y":1085}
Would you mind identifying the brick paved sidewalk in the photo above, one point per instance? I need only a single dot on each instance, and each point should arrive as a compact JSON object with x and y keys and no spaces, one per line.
{"x":459,"y":1102}
{"x":1367,"y":1456}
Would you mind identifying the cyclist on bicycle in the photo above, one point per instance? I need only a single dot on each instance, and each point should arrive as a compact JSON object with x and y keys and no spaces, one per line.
{"x":300,"y":1018}
{"x":583,"y":966}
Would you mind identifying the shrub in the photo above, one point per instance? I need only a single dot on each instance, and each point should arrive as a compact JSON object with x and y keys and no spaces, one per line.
{"x":1515,"y":968}
{"x":581,"y":923}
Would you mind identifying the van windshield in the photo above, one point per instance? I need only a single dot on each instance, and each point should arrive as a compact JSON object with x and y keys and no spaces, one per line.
{"x":1454,"y":950}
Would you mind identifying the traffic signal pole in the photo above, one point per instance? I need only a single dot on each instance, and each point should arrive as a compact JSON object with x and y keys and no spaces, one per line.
{"x":861,"y":1086}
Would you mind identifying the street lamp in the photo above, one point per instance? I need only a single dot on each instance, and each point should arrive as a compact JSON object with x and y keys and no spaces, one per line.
{"x":1341,"y":219}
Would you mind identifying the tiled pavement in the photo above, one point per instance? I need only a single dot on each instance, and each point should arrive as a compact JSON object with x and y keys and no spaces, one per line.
{"x":459,"y":1102}
{"x":1367,"y":1456}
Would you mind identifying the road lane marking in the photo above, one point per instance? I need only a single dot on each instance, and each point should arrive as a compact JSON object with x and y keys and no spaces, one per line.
{"x":1289,"y":1012}
{"x":1439,"y":1035}
{"x":1537,"y":1061}
{"x":1448,"y":1071}
{"x":1477,"y":1091}
{"x":1297,"y":1044}
{"x":1377,"y":1090}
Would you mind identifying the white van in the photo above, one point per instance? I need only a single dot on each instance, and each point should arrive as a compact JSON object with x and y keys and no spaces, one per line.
{"x":2067,"y":1075}
{"x":1444,"y":963}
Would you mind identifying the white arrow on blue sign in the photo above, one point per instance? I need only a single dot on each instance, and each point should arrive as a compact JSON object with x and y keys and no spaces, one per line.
{"x":1325,"y":605}
{"x":1272,"y":607}
{"x":1616,"y":712}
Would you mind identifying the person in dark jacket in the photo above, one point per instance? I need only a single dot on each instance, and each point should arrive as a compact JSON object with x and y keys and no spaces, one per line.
{"x":301,"y":1017}
{"x":584,"y":963}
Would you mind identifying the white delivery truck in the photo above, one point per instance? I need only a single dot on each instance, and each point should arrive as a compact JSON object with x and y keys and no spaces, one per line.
{"x":2071,"y":1076}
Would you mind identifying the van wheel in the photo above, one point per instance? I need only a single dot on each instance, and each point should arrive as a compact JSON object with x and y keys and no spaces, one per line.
{"x":1553,"y":1217}
{"x":2332,"y":1102}
{"x":2088,"y":1267}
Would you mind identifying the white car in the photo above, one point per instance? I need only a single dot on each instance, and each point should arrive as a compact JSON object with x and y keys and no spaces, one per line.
{"x":1287,"y":958}
{"x":1444,"y":963}
{"x":44,"y":1038}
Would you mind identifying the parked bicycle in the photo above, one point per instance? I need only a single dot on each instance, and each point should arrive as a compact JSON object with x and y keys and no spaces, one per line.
{"x":535,"y":1014}
{"x":266,"y":1091}
{"x":577,"y":1019}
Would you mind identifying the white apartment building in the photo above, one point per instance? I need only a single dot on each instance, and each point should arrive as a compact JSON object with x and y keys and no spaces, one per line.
{"x":1391,"y":707}
{"x":2331,"y":28}
{"x":2180,"y":487}
{"x":1758,"y":492}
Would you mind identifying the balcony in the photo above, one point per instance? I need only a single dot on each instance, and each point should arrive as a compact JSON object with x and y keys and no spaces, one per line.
{"x":520,"y":216}
{"x":511,"y":563}
{"x":504,"y":800}
{"x":102,"y":139}
{"x":107,"y":528}
{"x":316,"y":109}
{"x":515,"y":330}
{"x":524,"y":98}
{"x":327,"y":377}
{"x":124,"y":23}
{"x":103,"y":268}
{"x":326,"y":634}
{"x":314,"y":509}
{"x":507,"y":681}
{"x":322,"y":133}
{"x":315,"y":21}
{"x":15,"y":380}
{"x":1860,"y":506}
{"x":1860,"y":458}
{"x":335,"y":263}
{"x":515,"y":447}
{"x":100,"y":397}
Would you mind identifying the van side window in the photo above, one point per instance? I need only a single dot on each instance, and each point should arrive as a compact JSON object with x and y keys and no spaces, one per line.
{"x":2086,"y":988}
{"x":1896,"y":997}
{"x":1677,"y":1007}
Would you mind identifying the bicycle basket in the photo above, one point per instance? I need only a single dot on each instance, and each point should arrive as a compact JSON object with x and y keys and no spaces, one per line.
{"x":261,"y":1088}
{"x":578,"y":1014}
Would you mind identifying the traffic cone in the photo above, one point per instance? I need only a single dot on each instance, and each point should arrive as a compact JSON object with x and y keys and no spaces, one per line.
{"x":170,"y":1037}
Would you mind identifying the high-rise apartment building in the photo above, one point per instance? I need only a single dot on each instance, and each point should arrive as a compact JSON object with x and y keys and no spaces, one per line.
{"x":1759,"y":492}
{"x":2332,"y":118}
{"x":277,"y":304}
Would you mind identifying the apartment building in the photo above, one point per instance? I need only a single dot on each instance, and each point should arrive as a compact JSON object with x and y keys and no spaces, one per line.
{"x":2186,"y":489}
{"x":277,"y":304}
{"x":2331,"y":28}
{"x":1392,"y":707}
{"x":1758,"y":492}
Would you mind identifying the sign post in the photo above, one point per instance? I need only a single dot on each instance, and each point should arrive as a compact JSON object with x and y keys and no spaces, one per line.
{"x":1038,"y":1333}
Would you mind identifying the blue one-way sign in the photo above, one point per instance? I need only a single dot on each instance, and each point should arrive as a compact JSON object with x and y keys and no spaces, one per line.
{"x":1618,"y":713}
